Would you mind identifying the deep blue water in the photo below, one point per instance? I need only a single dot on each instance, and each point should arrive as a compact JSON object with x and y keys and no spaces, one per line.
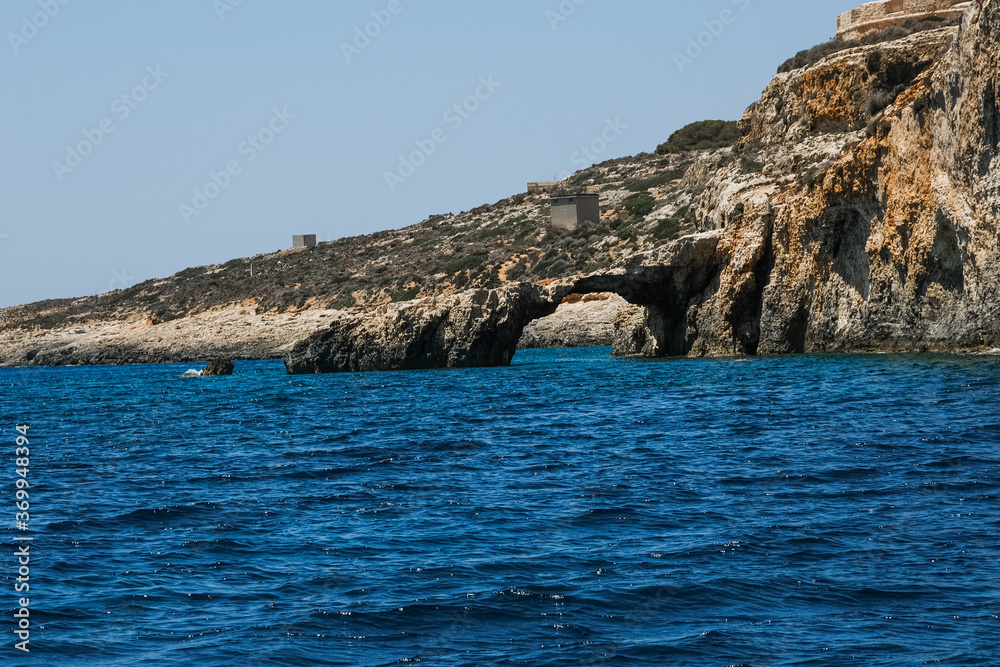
{"x":571,"y":510}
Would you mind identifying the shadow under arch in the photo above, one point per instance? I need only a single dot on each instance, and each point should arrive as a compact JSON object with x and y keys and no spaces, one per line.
{"x":666,"y":283}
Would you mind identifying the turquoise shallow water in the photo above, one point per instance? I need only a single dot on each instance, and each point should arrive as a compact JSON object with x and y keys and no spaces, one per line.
{"x":571,"y":510}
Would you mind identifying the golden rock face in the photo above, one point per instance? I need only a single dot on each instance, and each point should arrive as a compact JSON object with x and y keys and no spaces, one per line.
{"x":893,"y":245}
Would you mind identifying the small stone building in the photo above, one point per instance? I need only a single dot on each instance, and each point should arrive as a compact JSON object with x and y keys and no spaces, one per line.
{"x":571,"y":211}
{"x":304,"y":241}
{"x":541,"y":187}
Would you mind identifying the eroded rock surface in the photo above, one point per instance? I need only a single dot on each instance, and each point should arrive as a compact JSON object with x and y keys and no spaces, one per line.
{"x":822,"y":233}
{"x":893,"y":245}
{"x":479,"y":328}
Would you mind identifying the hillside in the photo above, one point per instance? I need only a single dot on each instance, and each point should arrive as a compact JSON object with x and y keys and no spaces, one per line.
{"x":485,"y":247}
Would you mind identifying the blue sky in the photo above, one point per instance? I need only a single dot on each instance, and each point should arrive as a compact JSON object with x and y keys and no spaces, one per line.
{"x":142,"y":137}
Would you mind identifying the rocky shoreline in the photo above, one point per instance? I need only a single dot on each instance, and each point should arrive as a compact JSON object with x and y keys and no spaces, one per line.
{"x":236,"y":333}
{"x":241,"y":334}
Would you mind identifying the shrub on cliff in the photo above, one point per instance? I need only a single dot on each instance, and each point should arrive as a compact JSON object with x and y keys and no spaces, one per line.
{"x":663,"y":178}
{"x":464,"y":263}
{"x":639,"y":205}
{"x":703,"y":135}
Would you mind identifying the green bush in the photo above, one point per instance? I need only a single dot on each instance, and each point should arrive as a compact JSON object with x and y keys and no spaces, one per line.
{"x":188,"y":274}
{"x":464,"y":263}
{"x":644,"y":184}
{"x":406,"y":295}
{"x":703,"y":135}
{"x":667,"y":228}
{"x":639,"y":205}
{"x":506,"y":227}
{"x":540,"y":268}
{"x":494,"y":232}
{"x":748,"y":166}
{"x":516,"y":271}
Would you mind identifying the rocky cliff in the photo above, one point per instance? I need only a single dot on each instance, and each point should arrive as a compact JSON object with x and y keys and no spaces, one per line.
{"x":891,"y":243}
{"x":483,"y":327}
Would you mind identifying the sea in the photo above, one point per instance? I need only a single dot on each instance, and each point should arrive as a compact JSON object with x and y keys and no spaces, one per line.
{"x":572,"y":509}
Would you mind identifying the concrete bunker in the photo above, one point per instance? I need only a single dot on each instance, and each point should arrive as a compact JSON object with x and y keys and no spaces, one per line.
{"x":569,"y":212}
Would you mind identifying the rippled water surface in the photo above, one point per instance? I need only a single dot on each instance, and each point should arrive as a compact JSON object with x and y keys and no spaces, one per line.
{"x":571,"y":510}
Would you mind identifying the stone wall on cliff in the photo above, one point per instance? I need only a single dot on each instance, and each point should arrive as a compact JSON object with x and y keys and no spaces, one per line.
{"x":880,"y":14}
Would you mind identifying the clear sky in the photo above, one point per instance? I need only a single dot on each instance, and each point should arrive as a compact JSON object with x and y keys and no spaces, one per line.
{"x":141,"y":137}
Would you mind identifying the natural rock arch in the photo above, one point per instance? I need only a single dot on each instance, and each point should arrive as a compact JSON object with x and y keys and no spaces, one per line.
{"x":481,"y":328}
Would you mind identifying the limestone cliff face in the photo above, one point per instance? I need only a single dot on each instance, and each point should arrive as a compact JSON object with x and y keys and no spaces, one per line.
{"x":588,"y":321}
{"x":890,"y":243}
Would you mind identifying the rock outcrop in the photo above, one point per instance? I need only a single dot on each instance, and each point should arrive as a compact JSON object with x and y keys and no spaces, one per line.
{"x":858,"y":213}
{"x":237,"y":333}
{"x":478,"y":328}
{"x":219,"y":368}
{"x":580,"y":321}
